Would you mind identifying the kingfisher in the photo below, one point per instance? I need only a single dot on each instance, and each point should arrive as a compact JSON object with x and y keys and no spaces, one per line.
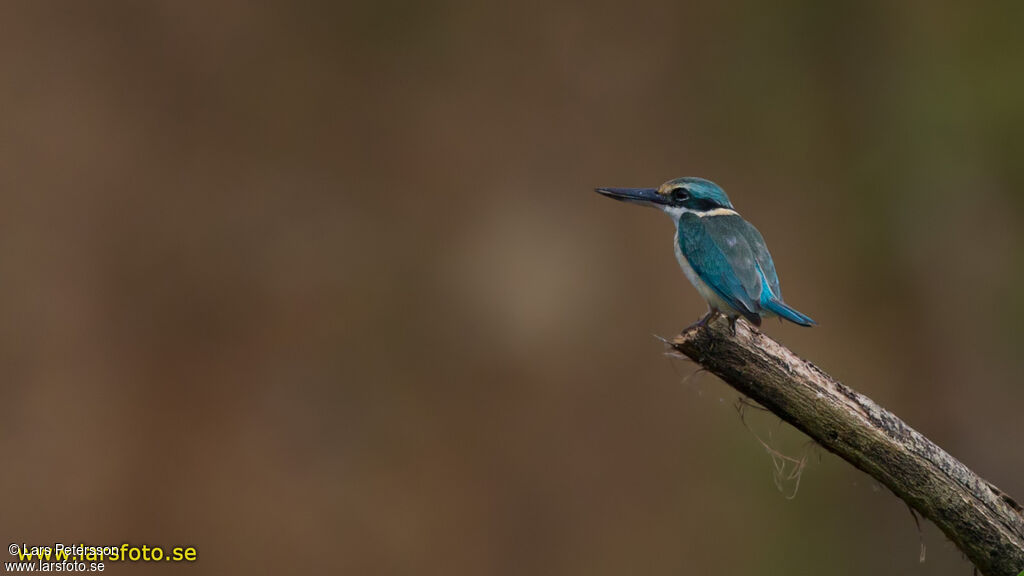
{"x":722,"y":255}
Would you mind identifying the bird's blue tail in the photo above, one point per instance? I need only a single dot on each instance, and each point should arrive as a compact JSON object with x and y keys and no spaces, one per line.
{"x":784,"y":311}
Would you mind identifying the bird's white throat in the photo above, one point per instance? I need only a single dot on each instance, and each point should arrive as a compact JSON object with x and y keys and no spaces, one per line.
{"x":676,"y":211}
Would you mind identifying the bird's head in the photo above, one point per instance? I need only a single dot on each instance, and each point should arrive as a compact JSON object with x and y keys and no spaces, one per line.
{"x":675,"y":197}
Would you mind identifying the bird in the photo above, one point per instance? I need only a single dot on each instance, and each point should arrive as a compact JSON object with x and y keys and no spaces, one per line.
{"x":722,"y":255}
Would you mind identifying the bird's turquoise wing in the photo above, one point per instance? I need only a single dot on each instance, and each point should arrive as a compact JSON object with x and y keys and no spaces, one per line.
{"x":719,"y":251}
{"x":761,"y":255}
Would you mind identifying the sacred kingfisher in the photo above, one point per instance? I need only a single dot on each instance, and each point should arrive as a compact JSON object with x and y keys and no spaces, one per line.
{"x":722,"y":255}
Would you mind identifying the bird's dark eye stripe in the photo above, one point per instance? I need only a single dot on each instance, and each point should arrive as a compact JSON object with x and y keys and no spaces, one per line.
{"x":701,"y":204}
{"x":680,"y":194}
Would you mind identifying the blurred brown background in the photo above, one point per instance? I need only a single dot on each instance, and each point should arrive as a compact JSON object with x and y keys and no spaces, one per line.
{"x":325,"y":287}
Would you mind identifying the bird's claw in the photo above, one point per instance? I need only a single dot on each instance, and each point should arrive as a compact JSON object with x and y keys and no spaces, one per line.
{"x":703,"y":322}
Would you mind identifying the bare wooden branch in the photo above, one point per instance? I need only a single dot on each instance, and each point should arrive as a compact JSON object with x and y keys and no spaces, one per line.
{"x":984,"y":522}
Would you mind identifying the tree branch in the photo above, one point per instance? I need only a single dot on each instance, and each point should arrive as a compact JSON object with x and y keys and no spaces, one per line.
{"x":984,"y":522}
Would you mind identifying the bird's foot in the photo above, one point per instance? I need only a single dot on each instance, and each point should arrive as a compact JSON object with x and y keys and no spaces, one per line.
{"x":703,"y":322}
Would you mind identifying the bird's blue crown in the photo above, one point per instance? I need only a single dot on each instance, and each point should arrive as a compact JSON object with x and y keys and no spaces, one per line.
{"x":697,"y":189}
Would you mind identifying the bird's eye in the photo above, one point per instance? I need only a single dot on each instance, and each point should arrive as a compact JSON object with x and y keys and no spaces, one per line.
{"x":680,"y":194}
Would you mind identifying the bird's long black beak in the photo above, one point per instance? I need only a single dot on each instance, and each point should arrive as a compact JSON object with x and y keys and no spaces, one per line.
{"x":645,"y":196}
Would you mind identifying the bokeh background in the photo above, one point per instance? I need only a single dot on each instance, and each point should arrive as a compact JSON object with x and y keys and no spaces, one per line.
{"x":324,"y":288}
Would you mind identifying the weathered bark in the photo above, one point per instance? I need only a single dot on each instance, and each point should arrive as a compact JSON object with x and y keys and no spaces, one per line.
{"x":984,"y":522}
